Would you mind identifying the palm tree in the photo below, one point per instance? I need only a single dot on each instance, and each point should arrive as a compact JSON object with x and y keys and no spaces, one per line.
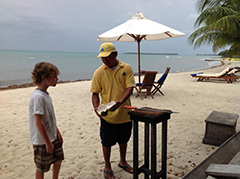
{"x":220,"y":20}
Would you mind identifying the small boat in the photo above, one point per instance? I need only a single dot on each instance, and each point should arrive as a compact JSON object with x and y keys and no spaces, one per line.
{"x":223,"y":155}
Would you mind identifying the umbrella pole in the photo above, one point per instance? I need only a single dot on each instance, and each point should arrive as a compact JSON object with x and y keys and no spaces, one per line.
{"x":138,"y":41}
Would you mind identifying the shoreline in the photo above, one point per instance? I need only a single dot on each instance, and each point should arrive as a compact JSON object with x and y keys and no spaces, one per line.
{"x":26,"y":85}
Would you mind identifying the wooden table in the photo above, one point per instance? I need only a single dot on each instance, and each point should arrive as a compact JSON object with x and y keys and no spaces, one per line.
{"x":153,"y":118}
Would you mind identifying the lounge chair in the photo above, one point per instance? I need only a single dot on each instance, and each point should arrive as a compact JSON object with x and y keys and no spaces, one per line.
{"x":157,"y":85}
{"x":226,"y":74}
{"x":147,"y":84}
{"x":234,"y":71}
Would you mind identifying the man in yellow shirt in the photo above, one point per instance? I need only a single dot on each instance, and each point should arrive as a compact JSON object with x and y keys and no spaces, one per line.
{"x":114,"y":81}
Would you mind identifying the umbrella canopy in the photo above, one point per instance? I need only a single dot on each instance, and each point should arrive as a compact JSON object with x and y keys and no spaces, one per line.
{"x":139,"y":28}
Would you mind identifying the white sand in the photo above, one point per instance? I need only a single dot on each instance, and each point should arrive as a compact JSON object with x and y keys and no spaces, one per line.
{"x":80,"y":126}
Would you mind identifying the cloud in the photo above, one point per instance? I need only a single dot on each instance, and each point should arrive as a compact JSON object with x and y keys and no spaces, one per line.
{"x":74,"y":25}
{"x":24,"y":25}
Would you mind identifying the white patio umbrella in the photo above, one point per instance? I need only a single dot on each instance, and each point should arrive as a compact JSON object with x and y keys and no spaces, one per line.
{"x":139,"y":28}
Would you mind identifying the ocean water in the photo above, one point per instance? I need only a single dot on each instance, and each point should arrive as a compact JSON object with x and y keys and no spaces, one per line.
{"x":16,"y":66}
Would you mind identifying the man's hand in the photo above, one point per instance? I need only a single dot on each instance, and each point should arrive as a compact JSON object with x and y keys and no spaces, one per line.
{"x":97,"y":113}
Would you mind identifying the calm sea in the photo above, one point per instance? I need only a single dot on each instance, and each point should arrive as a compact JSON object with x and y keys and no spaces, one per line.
{"x":16,"y":66}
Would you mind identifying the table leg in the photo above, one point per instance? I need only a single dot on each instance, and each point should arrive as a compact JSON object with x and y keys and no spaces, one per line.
{"x":153,"y":151}
{"x":146,"y":149}
{"x":164,"y":149}
{"x":135,"y":150}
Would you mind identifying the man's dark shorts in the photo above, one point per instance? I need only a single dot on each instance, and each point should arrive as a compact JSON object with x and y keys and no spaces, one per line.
{"x":44,"y":160}
{"x":114,"y":133}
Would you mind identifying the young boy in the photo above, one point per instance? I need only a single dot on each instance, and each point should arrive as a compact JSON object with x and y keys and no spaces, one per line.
{"x":44,"y":135}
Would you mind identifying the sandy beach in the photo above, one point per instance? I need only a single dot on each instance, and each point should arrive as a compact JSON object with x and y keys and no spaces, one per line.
{"x":79,"y":126}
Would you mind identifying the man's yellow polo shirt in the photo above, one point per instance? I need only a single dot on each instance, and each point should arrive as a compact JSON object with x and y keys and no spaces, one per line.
{"x":111,"y":85}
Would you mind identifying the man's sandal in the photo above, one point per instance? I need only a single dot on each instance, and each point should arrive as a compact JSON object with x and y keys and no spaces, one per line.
{"x":110,"y":174}
{"x":126,"y":168}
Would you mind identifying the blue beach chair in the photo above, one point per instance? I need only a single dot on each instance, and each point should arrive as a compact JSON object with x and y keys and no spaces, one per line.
{"x":157,"y":85}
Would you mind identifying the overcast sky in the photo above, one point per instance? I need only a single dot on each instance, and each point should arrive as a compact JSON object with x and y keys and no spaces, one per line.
{"x":73,"y":25}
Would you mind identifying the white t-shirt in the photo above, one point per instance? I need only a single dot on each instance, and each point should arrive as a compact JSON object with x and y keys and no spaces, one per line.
{"x":41,"y":103}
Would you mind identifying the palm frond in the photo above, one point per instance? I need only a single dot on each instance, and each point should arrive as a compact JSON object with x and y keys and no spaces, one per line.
{"x":204,"y":4}
{"x":220,"y":21}
{"x":213,"y":14}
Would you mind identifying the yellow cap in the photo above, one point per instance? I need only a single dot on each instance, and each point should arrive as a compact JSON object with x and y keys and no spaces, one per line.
{"x":106,"y":49}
